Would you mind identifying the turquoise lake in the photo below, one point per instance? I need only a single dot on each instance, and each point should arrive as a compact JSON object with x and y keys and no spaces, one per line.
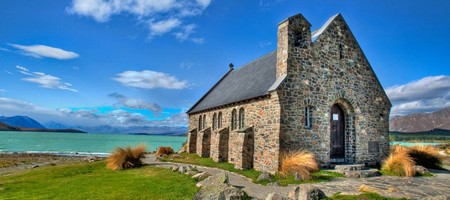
{"x":410,"y":144}
{"x":82,"y":144}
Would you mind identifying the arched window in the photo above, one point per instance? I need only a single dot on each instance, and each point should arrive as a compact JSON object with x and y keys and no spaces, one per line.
{"x":200,"y":127}
{"x":241,"y":118}
{"x":204,"y":122}
{"x":219,"y":120}
{"x":341,"y":52}
{"x":233,"y":119}
{"x":214,"y":125}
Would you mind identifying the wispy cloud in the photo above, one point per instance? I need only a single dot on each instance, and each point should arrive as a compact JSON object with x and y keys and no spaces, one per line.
{"x":425,"y":95}
{"x":161,"y":16}
{"x":8,"y":72}
{"x":149,"y":80}
{"x":39,"y":51}
{"x":45,"y":80}
{"x":135,"y":103}
{"x":2,"y":91}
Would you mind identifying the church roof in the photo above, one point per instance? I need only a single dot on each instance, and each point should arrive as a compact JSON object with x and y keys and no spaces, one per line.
{"x":252,"y":80}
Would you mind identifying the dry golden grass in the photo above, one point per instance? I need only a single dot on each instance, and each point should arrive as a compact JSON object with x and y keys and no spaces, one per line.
{"x":426,"y":156}
{"x":399,"y":163}
{"x":302,"y":162}
{"x":366,"y":188}
{"x":398,"y":148}
{"x":125,"y":158}
{"x":164,"y":151}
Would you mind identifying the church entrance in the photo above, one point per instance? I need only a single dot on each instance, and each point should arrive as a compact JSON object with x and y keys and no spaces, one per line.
{"x":337,"y":134}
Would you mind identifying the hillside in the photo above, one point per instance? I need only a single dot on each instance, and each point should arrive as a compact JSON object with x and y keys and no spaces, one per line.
{"x":421,"y":122}
{"x":21,"y":121}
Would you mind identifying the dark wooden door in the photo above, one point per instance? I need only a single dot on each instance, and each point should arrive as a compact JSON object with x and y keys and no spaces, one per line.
{"x":337,"y":122}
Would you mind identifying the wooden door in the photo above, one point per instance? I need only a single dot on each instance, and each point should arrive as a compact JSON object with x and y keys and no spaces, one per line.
{"x":337,"y":122}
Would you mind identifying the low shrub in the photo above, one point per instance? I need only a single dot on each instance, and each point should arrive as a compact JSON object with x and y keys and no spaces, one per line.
{"x":399,"y":163}
{"x":426,"y":156}
{"x":164,"y":151}
{"x":125,"y":158}
{"x":302,"y":162}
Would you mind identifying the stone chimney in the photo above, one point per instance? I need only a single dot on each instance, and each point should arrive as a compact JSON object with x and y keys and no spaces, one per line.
{"x":294,"y":37}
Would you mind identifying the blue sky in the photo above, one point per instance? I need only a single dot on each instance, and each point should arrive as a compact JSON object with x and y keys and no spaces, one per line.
{"x":122,"y":63}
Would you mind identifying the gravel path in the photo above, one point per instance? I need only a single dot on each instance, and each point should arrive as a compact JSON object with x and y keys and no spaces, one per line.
{"x":413,"y":188}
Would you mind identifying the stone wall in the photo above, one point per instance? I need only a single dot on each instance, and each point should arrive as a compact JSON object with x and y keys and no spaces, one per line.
{"x":331,"y":70}
{"x":220,"y":145}
{"x":262,"y":115}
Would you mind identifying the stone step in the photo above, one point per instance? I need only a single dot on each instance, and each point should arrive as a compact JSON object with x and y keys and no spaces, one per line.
{"x":349,"y":167}
{"x":361,"y":173}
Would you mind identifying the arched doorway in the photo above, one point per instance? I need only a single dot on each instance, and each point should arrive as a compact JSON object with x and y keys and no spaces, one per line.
{"x":337,"y":134}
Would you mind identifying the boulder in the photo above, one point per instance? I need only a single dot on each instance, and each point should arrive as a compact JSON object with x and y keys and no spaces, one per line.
{"x":190,"y":173}
{"x":175,"y":168}
{"x":264,"y":177}
{"x":438,"y":197}
{"x":220,"y":192}
{"x":306,"y":192}
{"x":177,"y":156}
{"x":220,"y":178}
{"x":276,"y":196}
{"x":201,"y":176}
{"x":182,"y":169}
{"x":90,"y":159}
{"x":420,"y":169}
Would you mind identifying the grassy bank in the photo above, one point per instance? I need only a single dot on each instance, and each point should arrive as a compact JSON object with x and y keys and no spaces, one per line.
{"x":94,"y":181}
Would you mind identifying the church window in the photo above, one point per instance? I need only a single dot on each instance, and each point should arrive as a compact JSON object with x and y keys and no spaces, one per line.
{"x":214,"y":126}
{"x":307,"y":117}
{"x":341,"y":52}
{"x":234,"y":119}
{"x":241,"y":118}
{"x":204,"y":122}
{"x":200,"y":123}
{"x":219,"y":120}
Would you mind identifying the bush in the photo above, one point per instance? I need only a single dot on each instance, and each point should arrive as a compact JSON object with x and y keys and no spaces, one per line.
{"x":399,"y":163}
{"x":125,"y":158}
{"x":302,"y":162}
{"x":164,"y":151}
{"x":426,"y":156}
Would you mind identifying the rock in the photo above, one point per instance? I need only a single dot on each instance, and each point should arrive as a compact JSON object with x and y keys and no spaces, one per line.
{"x":190,"y":173}
{"x":294,"y":193}
{"x":276,"y":196}
{"x":191,"y":167}
{"x":175,"y":168}
{"x":298,"y":176}
{"x":34,"y":166}
{"x":220,"y":178}
{"x":272,"y":184}
{"x":309,"y":192}
{"x":420,"y":169}
{"x":439,"y":197}
{"x":264,"y":176}
{"x":220,"y":192}
{"x":201,"y":176}
{"x":90,"y":159}
{"x":182,"y":169}
{"x":177,"y":156}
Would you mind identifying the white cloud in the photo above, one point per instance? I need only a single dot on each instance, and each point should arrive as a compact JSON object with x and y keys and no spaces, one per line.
{"x":162,"y":27}
{"x":8,"y":72}
{"x":136,"y":103}
{"x":162,"y":16}
{"x":149,"y":80}
{"x":39,"y":51}
{"x":425,"y":95}
{"x":185,"y":32}
{"x":45,"y":80}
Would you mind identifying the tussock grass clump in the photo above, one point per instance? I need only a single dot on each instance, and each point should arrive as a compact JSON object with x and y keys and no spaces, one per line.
{"x":164,"y":151}
{"x":426,"y":156}
{"x":125,"y":158}
{"x":399,"y":163}
{"x":302,"y":162}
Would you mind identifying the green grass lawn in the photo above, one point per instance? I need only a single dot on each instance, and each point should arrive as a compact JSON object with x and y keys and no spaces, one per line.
{"x":322,"y":175}
{"x":94,"y":181}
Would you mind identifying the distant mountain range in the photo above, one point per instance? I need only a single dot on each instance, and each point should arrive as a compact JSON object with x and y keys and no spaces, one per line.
{"x":21,"y":121}
{"x":17,"y":119}
{"x":420,"y":122}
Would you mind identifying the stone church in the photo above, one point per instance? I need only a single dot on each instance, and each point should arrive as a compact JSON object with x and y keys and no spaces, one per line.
{"x":316,"y":91}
